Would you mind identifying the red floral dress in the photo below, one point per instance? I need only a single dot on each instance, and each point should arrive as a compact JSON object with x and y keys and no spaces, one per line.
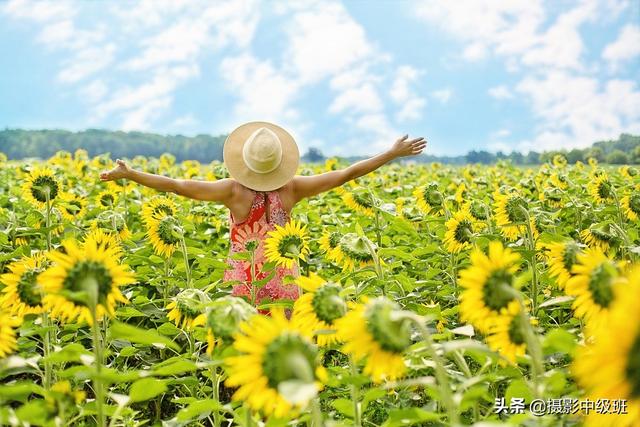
{"x":266,"y":211}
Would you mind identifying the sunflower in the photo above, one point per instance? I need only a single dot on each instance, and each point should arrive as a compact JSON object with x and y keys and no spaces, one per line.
{"x":600,"y":189}
{"x":355,"y":251}
{"x":330,"y":244}
{"x":459,"y":234}
{"x":81,"y":272}
{"x":107,"y":220}
{"x":72,"y":206}
{"x":223,"y":318}
{"x":108,"y":198}
{"x":599,"y":236}
{"x":506,"y":335}
{"x":371,"y":331}
{"x":274,"y":353}
{"x":187,"y":308}
{"x":511,"y":217}
{"x":8,"y":342}
{"x":594,"y":278}
{"x":559,"y":181}
{"x":631,"y":206}
{"x":164,"y":234}
{"x":320,"y":307}
{"x":106,"y":239}
{"x":21,"y":293}
{"x":40,"y":183}
{"x":157,"y":208}
{"x":331,"y":164}
{"x":593,"y":162}
{"x":484,"y":296}
{"x":559,"y":161}
{"x":608,"y":367}
{"x":553,"y":196}
{"x":429,"y":199}
{"x":561,"y":258}
{"x":285,"y":245}
{"x":360,"y":200}
{"x":628,"y":172}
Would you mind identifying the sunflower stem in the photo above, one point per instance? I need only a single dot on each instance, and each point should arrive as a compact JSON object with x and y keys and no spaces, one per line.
{"x":48,"y":219}
{"x":378,"y":230}
{"x":215,"y":393}
{"x":355,"y":395}
{"x":46,"y":349}
{"x":441,"y":373}
{"x":97,"y":351}
{"x":253,"y":275}
{"x":316,"y":413}
{"x":533,"y":265}
{"x":185,"y":257}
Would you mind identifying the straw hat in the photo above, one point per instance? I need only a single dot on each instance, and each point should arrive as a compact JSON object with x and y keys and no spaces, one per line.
{"x":261,"y":156}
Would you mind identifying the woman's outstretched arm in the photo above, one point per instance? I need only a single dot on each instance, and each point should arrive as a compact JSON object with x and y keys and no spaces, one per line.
{"x":307,"y":186}
{"x":217,"y":191}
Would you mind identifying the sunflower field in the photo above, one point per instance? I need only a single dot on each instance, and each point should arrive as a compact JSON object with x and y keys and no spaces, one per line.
{"x":431,"y":295}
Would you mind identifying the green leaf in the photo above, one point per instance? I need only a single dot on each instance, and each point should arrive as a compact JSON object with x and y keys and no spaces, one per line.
{"x":19,"y":391}
{"x":140,"y":336}
{"x":409,"y":417}
{"x":371,"y":395}
{"x":559,"y":340}
{"x":199,"y":409}
{"x":69,"y":353}
{"x":518,"y":389}
{"x":146,"y":388}
{"x":344,"y":406}
{"x":174,"y":366}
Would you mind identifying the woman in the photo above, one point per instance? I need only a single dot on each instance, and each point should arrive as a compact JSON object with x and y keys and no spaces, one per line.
{"x":262,"y":159}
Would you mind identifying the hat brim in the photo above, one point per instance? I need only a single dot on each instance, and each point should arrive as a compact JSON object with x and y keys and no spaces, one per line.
{"x":232,"y":157}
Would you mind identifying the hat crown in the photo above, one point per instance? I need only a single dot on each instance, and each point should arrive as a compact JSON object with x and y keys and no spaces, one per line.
{"x":262,"y":151}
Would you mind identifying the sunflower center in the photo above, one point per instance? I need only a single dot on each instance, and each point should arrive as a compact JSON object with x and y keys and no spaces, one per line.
{"x":570,"y":255}
{"x":28,"y":290}
{"x":363,"y":199}
{"x":634,"y":203}
{"x":516,"y":207}
{"x":632,"y":370}
{"x":186,"y":309}
{"x":515,"y":331}
{"x":289,"y":357}
{"x":327,"y":304}
{"x":42,"y":186}
{"x":478,"y":211}
{"x":604,"y":189}
{"x":162,"y":209}
{"x":355,"y":247}
{"x":600,"y":284}
{"x":251,"y":245}
{"x":495,"y":296}
{"x":334,"y":239}
{"x":602,"y":235}
{"x":107,"y":200}
{"x":167,"y":230}
{"x":75,"y":204}
{"x":464,"y":231}
{"x":289,"y":246}
{"x":432,"y":196}
{"x":391,"y":334}
{"x":85,"y":270}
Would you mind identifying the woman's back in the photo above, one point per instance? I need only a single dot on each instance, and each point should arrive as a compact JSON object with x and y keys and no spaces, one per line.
{"x":249,"y":235}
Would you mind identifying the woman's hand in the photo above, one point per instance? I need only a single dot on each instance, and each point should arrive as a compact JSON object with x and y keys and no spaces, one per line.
{"x":120,"y":171}
{"x":408,"y":147}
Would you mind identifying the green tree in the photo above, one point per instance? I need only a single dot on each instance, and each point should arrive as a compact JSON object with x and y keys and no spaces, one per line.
{"x":618,"y":157}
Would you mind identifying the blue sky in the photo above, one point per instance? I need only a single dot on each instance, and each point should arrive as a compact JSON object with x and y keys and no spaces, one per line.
{"x":346,"y":77}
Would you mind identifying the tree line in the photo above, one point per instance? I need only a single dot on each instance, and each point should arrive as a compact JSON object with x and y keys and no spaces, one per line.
{"x":20,"y":143}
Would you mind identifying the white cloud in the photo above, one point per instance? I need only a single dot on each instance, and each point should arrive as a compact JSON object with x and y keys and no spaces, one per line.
{"x":360,"y":99}
{"x":263,"y":92}
{"x":625,"y":47}
{"x":94,"y":91}
{"x":442,"y":95}
{"x":324,"y":40}
{"x":576,"y":111}
{"x":410,"y":103}
{"x":500,"y":92}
